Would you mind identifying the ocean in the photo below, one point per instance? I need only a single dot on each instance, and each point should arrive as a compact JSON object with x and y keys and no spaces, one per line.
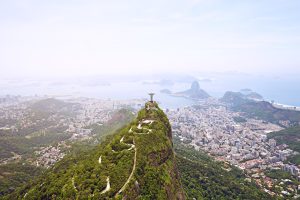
{"x":282,"y":90}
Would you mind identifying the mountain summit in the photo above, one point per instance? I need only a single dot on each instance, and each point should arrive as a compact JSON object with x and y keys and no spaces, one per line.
{"x":195,"y":92}
{"x":195,"y":86}
{"x":137,"y":162}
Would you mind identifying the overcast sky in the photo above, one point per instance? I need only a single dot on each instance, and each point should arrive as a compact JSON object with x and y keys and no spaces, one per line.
{"x":59,"y":38}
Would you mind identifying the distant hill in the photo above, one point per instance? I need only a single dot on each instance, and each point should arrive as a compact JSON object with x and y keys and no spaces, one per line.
{"x":249,"y":94}
{"x":45,"y":107}
{"x":234,"y":98}
{"x":137,"y":162}
{"x":260,"y":109}
{"x":160,"y":82}
{"x":50,"y":105}
{"x":254,"y":95}
{"x":240,"y":97}
{"x":166,"y":91}
{"x":245,"y":90}
{"x":195,"y":92}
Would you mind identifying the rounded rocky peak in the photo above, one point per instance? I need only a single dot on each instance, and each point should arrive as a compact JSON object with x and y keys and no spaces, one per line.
{"x":195,"y":86}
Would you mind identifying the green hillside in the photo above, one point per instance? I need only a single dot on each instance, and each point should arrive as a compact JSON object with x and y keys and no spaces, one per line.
{"x":137,"y":162}
{"x":291,"y":137}
{"x":53,"y":105}
{"x":18,"y":173}
{"x":204,"y":178}
{"x":260,"y":109}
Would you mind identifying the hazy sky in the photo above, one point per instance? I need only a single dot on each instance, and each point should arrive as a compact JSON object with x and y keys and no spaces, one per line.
{"x":58,"y":37}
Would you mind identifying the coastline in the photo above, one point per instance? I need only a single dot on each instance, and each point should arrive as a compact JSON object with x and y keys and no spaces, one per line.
{"x":274,"y":104}
{"x":284,"y":106}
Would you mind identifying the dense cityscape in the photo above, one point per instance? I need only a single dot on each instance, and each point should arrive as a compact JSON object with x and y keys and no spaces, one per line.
{"x":19,"y":117}
{"x":209,"y":126}
{"x":231,"y":138}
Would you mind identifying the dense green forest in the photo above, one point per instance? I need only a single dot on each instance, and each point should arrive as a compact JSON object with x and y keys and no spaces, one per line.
{"x":14,"y":175}
{"x":19,"y":172}
{"x":135,"y":162}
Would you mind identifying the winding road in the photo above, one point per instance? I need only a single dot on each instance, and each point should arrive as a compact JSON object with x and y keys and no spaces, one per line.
{"x":107,"y":186}
{"x":73,"y":183}
{"x":141,"y":128}
{"x":132,"y":172}
{"x":132,"y":146}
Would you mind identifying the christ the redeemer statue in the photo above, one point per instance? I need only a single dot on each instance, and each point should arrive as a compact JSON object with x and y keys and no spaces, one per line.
{"x":151,"y":97}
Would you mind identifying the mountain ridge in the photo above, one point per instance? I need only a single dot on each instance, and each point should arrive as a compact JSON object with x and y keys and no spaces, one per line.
{"x":263,"y":110}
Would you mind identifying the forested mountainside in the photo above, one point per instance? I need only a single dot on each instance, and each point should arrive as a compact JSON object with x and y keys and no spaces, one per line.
{"x":204,"y":178}
{"x":137,"y":162}
{"x":261,"y":109}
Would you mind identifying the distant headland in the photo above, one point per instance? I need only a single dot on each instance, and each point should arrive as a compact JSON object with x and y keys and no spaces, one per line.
{"x":195,"y":92}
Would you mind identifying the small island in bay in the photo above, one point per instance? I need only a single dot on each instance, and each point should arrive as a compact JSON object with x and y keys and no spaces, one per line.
{"x":195,"y":92}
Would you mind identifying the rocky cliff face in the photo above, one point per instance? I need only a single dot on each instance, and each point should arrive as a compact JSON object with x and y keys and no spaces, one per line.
{"x":137,"y":162}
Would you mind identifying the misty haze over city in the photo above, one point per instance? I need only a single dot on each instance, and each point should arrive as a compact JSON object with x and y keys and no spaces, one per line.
{"x":159,"y":99}
{"x":60,"y":39}
{"x":224,"y":45}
